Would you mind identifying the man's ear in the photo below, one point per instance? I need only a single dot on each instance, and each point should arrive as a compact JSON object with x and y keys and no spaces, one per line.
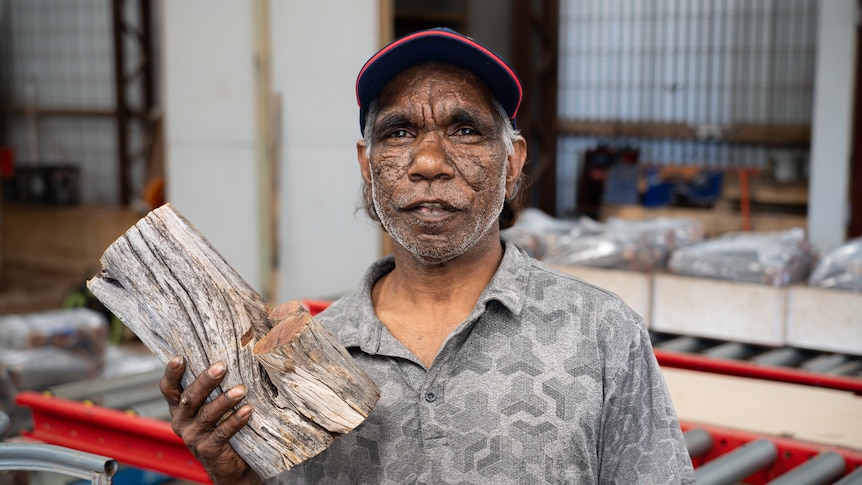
{"x":364,"y":167}
{"x":515,"y":166}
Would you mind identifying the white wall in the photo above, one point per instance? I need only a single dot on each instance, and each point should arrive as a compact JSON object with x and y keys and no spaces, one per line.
{"x":831,"y":137}
{"x":211,"y":139}
{"x":317,"y":50}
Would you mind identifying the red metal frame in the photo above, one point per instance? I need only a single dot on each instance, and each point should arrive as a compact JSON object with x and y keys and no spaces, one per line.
{"x":136,"y":440}
{"x":791,"y":453}
{"x":151,"y":444}
{"x":747,"y":369}
{"x":315,"y":306}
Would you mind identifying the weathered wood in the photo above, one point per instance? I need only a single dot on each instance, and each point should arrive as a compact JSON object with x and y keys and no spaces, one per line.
{"x":165,"y":281}
{"x":302,"y":356}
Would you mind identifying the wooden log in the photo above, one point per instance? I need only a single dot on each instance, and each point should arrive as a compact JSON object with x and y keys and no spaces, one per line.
{"x":170,"y":286}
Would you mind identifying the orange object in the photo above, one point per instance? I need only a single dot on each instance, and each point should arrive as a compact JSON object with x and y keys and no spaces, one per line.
{"x":745,"y":197}
{"x":154,"y":192}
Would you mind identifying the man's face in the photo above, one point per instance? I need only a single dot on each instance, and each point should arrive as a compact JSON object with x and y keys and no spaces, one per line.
{"x":438,"y":167}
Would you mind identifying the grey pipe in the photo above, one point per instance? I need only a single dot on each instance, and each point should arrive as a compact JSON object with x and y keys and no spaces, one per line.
{"x":850,"y":368}
{"x":737,"y":464}
{"x":682,"y":344}
{"x":4,"y":423}
{"x":130,"y":398}
{"x":852,"y":478}
{"x":57,"y":459}
{"x":156,"y":409}
{"x":729,"y":350}
{"x":697,"y":441}
{"x":783,"y":357}
{"x":824,"y":363}
{"x":822,"y":469}
{"x":94,"y":388}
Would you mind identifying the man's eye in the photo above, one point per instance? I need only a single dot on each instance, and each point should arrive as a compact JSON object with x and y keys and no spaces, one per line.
{"x":466,"y":131}
{"x":399,"y":134}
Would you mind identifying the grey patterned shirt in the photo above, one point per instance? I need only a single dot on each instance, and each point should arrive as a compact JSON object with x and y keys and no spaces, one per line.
{"x":550,"y":379}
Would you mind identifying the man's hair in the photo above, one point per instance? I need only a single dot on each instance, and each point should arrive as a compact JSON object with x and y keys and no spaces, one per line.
{"x":512,"y":206}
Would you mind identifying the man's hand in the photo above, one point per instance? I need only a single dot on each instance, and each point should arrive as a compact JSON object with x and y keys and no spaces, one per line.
{"x":198,"y":423}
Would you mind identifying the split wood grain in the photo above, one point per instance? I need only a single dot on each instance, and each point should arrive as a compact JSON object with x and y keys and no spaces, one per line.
{"x":171,"y":287}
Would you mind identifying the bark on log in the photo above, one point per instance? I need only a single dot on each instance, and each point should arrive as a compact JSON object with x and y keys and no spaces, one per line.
{"x":170,"y":286}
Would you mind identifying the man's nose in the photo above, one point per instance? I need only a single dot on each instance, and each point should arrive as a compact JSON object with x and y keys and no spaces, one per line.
{"x":430,"y":160}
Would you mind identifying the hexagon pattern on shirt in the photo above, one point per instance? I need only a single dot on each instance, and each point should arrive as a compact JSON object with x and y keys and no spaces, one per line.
{"x":550,"y":379}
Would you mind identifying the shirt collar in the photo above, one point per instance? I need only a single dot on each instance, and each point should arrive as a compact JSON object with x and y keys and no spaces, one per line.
{"x":507,"y":285}
{"x":365,"y":330}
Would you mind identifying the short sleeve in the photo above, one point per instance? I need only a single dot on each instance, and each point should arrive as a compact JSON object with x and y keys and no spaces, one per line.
{"x":641,"y":438}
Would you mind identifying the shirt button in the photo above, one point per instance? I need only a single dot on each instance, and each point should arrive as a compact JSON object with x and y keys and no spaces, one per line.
{"x":430,"y":396}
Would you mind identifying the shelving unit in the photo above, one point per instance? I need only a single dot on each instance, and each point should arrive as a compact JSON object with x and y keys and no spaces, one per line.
{"x":759,"y":203}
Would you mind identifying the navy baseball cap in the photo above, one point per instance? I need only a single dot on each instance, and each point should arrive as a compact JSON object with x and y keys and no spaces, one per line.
{"x":438,"y":45}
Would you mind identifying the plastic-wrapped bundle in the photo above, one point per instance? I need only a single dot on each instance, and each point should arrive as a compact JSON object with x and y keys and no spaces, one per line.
{"x":79,"y":330}
{"x":611,"y":249}
{"x":46,"y":366}
{"x":630,"y":245}
{"x":620,"y":244}
{"x":776,"y":258}
{"x":661,"y":235}
{"x":841,"y":268}
{"x":536,"y":231}
{"x":45,"y":348}
{"x":582,"y":242}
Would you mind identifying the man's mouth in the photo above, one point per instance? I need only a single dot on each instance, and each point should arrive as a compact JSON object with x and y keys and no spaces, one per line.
{"x":433,"y":207}
{"x":430,"y":205}
{"x":431,"y":211}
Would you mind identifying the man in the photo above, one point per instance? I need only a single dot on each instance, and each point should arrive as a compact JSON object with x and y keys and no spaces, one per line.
{"x":492,"y":368}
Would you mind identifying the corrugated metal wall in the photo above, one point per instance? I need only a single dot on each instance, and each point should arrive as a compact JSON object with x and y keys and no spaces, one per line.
{"x":57,"y":60}
{"x":711,"y":64}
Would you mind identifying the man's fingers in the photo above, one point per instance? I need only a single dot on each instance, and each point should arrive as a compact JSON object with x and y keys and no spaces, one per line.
{"x":206,"y":429}
{"x":170,"y":383}
{"x":210,"y":442}
{"x":214,"y":449}
{"x":209,"y":415}
{"x":197,"y":392}
{"x":224,"y":431}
